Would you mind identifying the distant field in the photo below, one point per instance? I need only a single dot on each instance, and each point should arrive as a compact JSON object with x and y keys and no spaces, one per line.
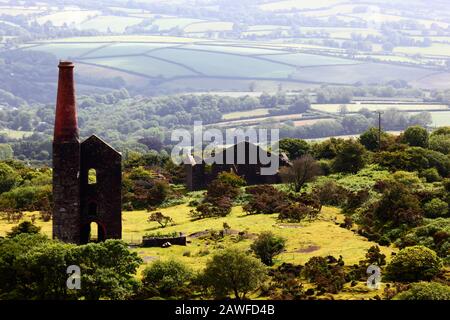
{"x":304,"y":60}
{"x":118,"y":49}
{"x":380,"y":18}
{"x":246,"y":114}
{"x":17,"y":10}
{"x":440,"y":118}
{"x":226,"y":65}
{"x":66,"y":50}
{"x":15,"y":134}
{"x":298,"y":4}
{"x":340,"y":33}
{"x":143,"y":65}
{"x":113,"y":23}
{"x":69,"y":17}
{"x":170,"y":58}
{"x":209,"y":26}
{"x":437,"y":49}
{"x":367,"y":72}
{"x":334,"y":108}
{"x":169,"y":23}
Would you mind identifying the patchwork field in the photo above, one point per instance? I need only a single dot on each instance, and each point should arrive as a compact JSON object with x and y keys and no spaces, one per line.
{"x":170,"y":59}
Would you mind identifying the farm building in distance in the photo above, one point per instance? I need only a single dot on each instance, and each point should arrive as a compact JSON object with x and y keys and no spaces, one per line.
{"x":87,"y":176}
{"x":199,"y":174}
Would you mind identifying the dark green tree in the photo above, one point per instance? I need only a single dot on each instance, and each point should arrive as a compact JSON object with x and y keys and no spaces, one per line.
{"x":267,"y":246}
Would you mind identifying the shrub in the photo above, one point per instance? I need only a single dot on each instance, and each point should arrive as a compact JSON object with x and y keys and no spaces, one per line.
{"x":213,"y":207}
{"x":160,"y":218}
{"x":8,"y":178}
{"x":374,"y":256}
{"x":350,"y":157}
{"x":414,"y":264}
{"x":425,"y":291}
{"x":232,"y":271}
{"x":416,"y":136}
{"x":398,"y":206}
{"x":430,"y":175}
{"x":218,"y":189}
{"x":170,"y":278}
{"x":267,"y":246}
{"x":294,"y":212}
{"x":327,"y":273}
{"x":264,"y":199}
{"x":435,"y":208}
{"x":330,"y":193}
{"x":303,"y":170}
{"x":294,"y":148}
{"x":23,"y":227}
{"x":231,"y":179}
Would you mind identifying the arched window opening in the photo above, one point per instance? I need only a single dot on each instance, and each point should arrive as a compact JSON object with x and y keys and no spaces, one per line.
{"x":93,"y":232}
{"x":92,"y":176}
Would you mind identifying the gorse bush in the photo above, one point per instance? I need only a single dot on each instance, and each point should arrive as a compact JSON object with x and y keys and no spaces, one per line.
{"x":425,"y":291}
{"x":264,"y":199}
{"x":327,"y":273}
{"x":414,"y":264}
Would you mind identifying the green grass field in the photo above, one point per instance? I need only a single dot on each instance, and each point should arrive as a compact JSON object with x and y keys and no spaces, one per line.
{"x":15,"y":134}
{"x":69,"y":17}
{"x":288,"y":5}
{"x":208,"y":26}
{"x":355,"y":107}
{"x":304,"y":240}
{"x":113,"y":23}
{"x":165,"y":24}
{"x":246,"y":114}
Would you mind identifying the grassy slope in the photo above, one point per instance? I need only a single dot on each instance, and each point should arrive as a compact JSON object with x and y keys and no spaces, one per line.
{"x":323,"y":233}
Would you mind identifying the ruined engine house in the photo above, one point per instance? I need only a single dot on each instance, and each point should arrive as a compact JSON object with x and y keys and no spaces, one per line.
{"x":87,"y":176}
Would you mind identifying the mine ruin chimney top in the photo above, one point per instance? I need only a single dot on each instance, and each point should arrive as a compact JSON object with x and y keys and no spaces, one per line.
{"x":66,"y":122}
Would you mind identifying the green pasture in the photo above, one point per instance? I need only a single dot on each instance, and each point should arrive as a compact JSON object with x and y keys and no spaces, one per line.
{"x":126,"y":48}
{"x":165,"y":24}
{"x":246,"y":114}
{"x":304,"y":59}
{"x":321,"y":237}
{"x":288,"y":5}
{"x":436,"y":49}
{"x":225,"y":65}
{"x":365,"y":72}
{"x":355,"y":107}
{"x":143,"y":65}
{"x":64,"y":51}
{"x":69,"y":17}
{"x":113,"y":23}
{"x":15,"y":134}
{"x":209,"y":26}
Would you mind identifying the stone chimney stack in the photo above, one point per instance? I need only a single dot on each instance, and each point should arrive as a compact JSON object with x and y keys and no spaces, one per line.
{"x":66,"y":123}
{"x":66,"y":160}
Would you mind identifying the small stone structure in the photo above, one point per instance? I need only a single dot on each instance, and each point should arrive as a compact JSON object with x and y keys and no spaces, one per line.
{"x":159,"y":241}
